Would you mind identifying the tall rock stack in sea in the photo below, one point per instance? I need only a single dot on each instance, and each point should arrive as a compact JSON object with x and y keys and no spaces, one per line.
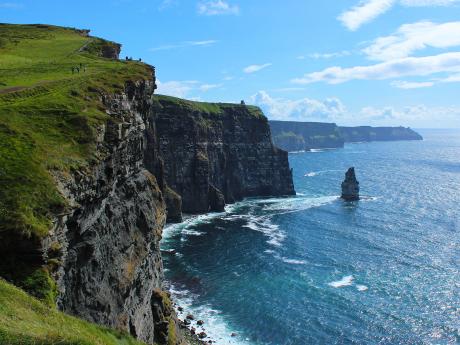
{"x":350,"y":186}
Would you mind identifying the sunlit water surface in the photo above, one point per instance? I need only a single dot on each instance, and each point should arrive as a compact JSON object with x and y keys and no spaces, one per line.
{"x":313,"y":269}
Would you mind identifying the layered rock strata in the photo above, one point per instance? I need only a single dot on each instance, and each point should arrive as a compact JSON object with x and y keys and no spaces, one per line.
{"x":218,"y":153}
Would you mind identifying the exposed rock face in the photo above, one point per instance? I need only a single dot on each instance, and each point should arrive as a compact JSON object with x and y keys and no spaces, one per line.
{"x":111,"y":262}
{"x":111,"y":51}
{"x":111,"y":269}
{"x":350,"y":186}
{"x":218,"y":153}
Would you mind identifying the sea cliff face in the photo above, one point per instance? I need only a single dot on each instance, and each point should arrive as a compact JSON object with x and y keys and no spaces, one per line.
{"x":109,"y":242}
{"x":218,"y":153}
{"x":152,"y":154}
{"x":303,"y":136}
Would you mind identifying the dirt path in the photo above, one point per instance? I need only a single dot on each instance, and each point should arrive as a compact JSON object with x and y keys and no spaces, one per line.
{"x":12,"y":89}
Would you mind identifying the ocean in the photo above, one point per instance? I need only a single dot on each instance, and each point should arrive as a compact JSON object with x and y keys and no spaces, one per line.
{"x":313,"y":269}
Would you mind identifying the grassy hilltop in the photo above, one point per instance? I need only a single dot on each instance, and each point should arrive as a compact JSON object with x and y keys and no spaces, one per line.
{"x":48,"y":114}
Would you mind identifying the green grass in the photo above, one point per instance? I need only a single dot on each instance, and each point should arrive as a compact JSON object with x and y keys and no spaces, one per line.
{"x":25,"y":320}
{"x":206,"y":107}
{"x":48,"y":116}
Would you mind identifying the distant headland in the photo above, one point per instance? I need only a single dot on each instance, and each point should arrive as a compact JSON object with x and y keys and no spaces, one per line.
{"x":300,"y":136}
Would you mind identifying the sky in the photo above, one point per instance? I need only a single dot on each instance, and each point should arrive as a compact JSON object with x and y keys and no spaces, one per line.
{"x":353,"y":62}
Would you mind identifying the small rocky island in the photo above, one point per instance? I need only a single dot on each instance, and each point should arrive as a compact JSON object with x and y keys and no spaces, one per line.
{"x":350,"y":186}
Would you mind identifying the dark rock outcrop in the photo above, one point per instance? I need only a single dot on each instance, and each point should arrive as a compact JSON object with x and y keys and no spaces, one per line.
{"x":218,"y":153}
{"x":216,"y":199}
{"x":350,"y":186}
{"x":111,"y":262}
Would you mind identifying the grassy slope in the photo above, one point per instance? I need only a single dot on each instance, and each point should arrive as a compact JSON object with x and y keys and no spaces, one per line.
{"x":48,"y":116}
{"x":206,"y":107}
{"x":25,"y":320}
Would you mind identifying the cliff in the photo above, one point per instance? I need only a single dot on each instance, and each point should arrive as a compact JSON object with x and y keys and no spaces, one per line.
{"x":85,"y":162}
{"x":300,"y":136}
{"x":367,"y":133}
{"x":82,"y":216}
{"x":216,"y":153}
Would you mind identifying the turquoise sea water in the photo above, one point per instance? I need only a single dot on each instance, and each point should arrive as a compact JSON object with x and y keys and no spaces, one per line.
{"x":313,"y":269}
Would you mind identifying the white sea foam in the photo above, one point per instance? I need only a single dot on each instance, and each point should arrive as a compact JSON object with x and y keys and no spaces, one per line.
{"x":288,"y":205}
{"x":293,"y":261}
{"x":345,"y":281}
{"x":362,"y":287}
{"x":192,"y":232}
{"x":264,"y":225}
{"x":215,"y":324}
{"x":315,"y":173}
{"x":171,"y":230}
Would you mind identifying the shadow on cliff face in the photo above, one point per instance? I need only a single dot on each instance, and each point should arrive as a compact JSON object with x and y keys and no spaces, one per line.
{"x":217,"y":153}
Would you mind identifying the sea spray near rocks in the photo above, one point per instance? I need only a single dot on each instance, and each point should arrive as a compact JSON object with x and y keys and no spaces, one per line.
{"x":345,"y":281}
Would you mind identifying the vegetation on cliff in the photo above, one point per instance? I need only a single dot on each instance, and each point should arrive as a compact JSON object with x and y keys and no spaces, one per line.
{"x":25,"y":320}
{"x":206,"y":107}
{"x":51,"y":83}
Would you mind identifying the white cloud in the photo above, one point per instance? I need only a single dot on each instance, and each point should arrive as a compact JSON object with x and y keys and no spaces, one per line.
{"x":412,"y":37}
{"x":333,"y":110}
{"x":255,"y":68}
{"x":218,"y":7}
{"x":455,"y":78}
{"x":367,"y":10}
{"x":329,"y":55}
{"x":364,"y":12}
{"x":184,"y":88}
{"x":418,"y":115}
{"x":176,"y":88}
{"x":410,"y":66}
{"x":299,"y":110}
{"x":185,"y":44}
{"x":207,"y":87}
{"x":401,"y":84}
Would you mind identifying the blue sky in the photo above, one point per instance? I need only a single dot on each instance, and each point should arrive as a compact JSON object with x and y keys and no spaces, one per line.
{"x":378,"y":62}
